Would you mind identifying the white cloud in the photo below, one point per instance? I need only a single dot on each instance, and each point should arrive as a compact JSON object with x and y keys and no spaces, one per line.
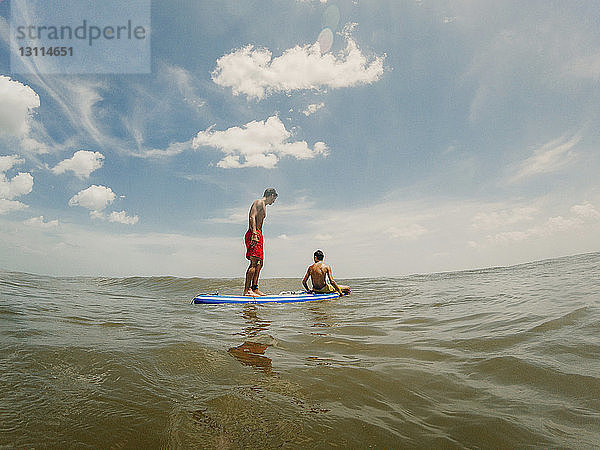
{"x":284,"y":210}
{"x":502,"y":217}
{"x":39,"y":222}
{"x":9,"y":161}
{"x":580,"y":216}
{"x":76,"y":250}
{"x":551,"y":226}
{"x":122,"y":217}
{"x":585,"y":67}
{"x":174,"y":148}
{"x":586,"y":210}
{"x":184,"y":83}
{"x":366,"y":249}
{"x":549,"y":158}
{"x":257,"y":144}
{"x":311,"y":109}
{"x":424,"y":236}
{"x":256,"y":73}
{"x":20,"y":184}
{"x":7,"y":206}
{"x":79,"y":99}
{"x":82,"y":164}
{"x":16,"y":104}
{"x":95,"y":198}
{"x":409,"y":232}
{"x":392,"y":219}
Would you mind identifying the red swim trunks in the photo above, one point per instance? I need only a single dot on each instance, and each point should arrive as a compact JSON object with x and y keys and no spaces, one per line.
{"x":254,"y":248}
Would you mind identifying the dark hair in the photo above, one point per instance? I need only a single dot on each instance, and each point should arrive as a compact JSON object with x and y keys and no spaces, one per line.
{"x":270,"y":191}
{"x":319,"y":255}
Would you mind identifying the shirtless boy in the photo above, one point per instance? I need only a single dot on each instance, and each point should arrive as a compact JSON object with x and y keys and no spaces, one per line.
{"x":318,"y":273}
{"x":254,"y":240}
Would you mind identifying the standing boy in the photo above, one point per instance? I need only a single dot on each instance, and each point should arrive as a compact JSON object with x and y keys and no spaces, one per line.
{"x":254,"y":240}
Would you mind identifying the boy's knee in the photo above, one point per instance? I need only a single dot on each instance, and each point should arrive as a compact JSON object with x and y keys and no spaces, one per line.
{"x":256,"y":263}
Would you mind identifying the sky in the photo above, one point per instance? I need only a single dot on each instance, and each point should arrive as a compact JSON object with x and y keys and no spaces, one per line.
{"x":402,"y":137}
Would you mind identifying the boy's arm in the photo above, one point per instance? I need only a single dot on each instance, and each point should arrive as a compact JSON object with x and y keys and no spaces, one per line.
{"x":252,"y":221}
{"x":305,"y":280}
{"x":333,"y":283}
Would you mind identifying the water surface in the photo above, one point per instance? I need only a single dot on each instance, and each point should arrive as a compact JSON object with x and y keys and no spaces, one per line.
{"x":502,"y":357}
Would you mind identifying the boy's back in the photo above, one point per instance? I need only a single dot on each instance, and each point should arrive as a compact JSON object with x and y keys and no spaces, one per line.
{"x":318,"y":273}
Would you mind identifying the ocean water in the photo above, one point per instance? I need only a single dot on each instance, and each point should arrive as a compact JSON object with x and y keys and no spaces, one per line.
{"x":501,"y":357}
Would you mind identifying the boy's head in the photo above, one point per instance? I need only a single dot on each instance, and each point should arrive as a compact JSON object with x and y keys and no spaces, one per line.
{"x":319,"y":255}
{"x":270,"y":195}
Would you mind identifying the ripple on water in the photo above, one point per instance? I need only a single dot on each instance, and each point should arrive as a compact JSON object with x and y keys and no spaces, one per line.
{"x":494,"y":358}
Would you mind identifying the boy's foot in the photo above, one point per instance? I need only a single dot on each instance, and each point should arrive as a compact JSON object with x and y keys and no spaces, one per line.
{"x":257,"y":292}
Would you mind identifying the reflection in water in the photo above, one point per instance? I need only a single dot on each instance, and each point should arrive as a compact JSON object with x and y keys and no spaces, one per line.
{"x":250,"y":354}
{"x":322,"y":319}
{"x":325,"y":322}
{"x":255,"y":323}
{"x":251,"y":351}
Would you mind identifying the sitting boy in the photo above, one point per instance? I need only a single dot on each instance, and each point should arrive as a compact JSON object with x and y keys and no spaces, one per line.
{"x":318,"y":272}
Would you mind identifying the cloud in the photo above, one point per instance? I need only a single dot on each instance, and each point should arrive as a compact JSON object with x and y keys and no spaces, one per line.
{"x":580,"y":215}
{"x":7,"y":206}
{"x":39,"y":222}
{"x":549,"y":158}
{"x":95,"y":198}
{"x":9,"y":161}
{"x":82,"y":164}
{"x":257,"y":144}
{"x":20,"y":184}
{"x":311,"y":109}
{"x":174,"y":148}
{"x":256,"y":73}
{"x":183,"y":81}
{"x":585,"y":67}
{"x":409,"y":232}
{"x":80,"y":101}
{"x":81,"y":250}
{"x":16,"y":104}
{"x":291,"y":211}
{"x":495,"y":219}
{"x":586,"y":210}
{"x":122,"y":217}
{"x":551,"y":226}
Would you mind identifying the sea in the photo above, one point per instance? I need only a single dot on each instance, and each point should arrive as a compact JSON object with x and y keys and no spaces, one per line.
{"x":505,"y":357}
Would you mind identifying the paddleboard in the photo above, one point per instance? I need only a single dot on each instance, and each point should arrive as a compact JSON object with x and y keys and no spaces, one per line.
{"x":281,"y":298}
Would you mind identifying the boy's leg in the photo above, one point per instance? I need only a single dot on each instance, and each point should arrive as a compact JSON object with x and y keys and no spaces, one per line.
{"x":259,"y":265}
{"x":251,"y":275}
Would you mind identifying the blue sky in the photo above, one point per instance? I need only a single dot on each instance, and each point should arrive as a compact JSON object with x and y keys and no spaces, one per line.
{"x":402,"y":137}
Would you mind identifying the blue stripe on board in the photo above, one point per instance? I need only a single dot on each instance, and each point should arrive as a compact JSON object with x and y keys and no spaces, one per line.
{"x":220,"y":299}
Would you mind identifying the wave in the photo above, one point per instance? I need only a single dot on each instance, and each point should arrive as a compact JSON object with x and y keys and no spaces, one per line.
{"x":11,"y":280}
